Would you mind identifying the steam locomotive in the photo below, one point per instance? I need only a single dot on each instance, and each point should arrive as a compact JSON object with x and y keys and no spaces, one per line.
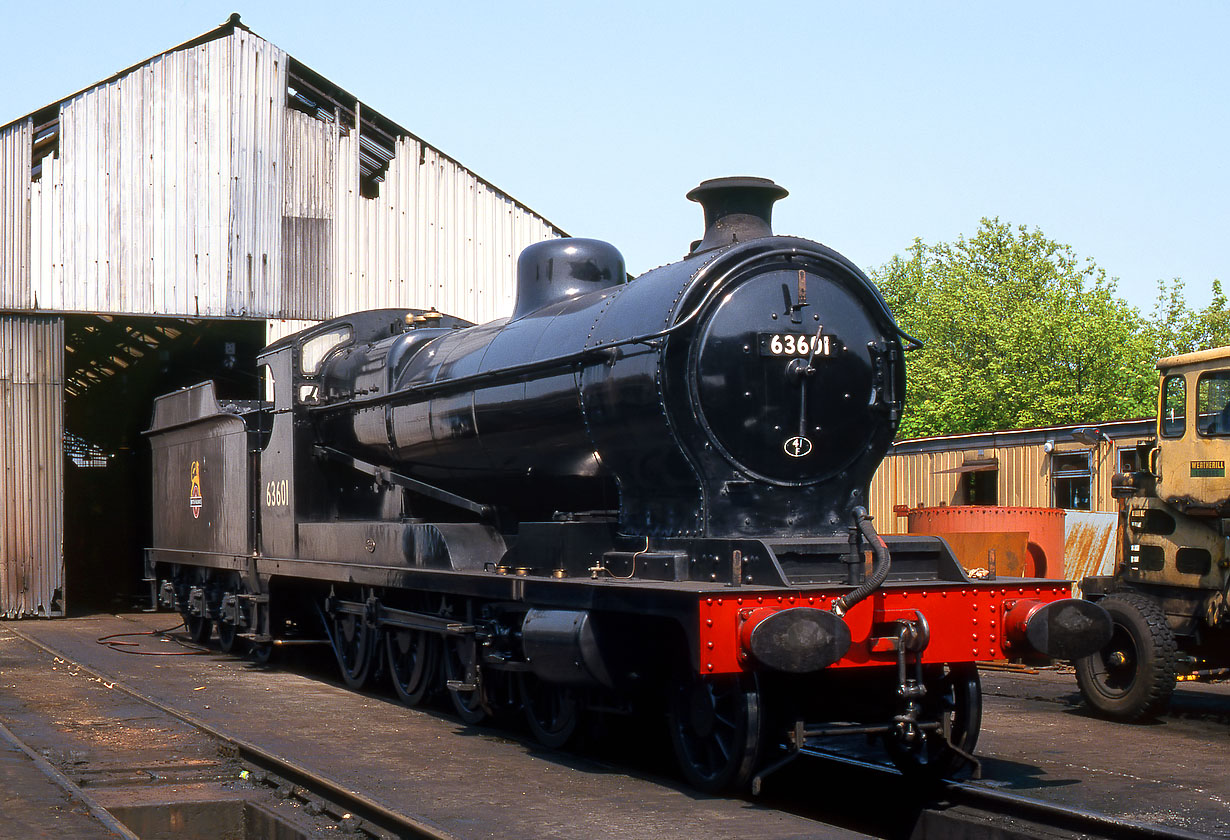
{"x":628,"y":494}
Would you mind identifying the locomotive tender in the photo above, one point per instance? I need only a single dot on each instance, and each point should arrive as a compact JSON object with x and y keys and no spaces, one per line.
{"x":626,"y":493}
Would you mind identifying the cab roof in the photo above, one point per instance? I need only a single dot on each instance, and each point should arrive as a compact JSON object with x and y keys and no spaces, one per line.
{"x":1200,"y":357}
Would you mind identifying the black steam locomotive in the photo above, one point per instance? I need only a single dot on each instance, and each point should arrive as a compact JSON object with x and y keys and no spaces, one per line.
{"x":627,"y":493}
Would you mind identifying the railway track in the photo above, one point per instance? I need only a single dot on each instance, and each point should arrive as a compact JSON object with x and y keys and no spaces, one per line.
{"x":317,"y":796}
{"x":976,"y":810}
{"x":980,"y":810}
{"x":74,"y":791}
{"x":972,"y":810}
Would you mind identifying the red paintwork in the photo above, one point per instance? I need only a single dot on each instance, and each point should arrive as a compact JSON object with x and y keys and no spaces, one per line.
{"x":966,"y":621}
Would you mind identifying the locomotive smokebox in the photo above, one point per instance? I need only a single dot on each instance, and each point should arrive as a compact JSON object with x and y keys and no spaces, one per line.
{"x":736,"y":210}
{"x":561,"y":269}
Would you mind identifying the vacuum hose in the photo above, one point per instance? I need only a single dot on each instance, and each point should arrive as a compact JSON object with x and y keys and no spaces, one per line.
{"x":879,"y":568}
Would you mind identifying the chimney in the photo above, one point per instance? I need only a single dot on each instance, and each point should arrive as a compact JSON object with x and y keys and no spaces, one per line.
{"x":736,"y":210}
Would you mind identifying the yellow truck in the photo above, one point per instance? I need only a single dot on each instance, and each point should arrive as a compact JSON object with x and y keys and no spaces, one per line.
{"x":1168,"y":596}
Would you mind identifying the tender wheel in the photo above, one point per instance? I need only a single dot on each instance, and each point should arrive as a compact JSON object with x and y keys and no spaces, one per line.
{"x":468,"y":703}
{"x":199,"y":628}
{"x":353,"y":644}
{"x":231,"y":614}
{"x":1134,"y":675}
{"x":228,"y":636}
{"x":715,"y":725}
{"x":955,"y":700}
{"x":412,"y":662}
{"x":261,"y":653}
{"x":551,"y":710}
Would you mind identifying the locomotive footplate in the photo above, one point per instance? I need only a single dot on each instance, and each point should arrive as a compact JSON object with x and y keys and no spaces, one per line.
{"x":968,"y":622}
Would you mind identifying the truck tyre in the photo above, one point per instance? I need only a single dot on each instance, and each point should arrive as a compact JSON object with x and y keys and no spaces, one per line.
{"x":1134,"y":675}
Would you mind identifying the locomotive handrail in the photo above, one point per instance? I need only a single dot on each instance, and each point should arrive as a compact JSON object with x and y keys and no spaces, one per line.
{"x":599,"y":353}
{"x":411,"y":484}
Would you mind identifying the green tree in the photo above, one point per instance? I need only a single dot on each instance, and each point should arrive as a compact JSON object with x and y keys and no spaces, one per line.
{"x":1017,"y":331}
{"x":1175,"y":328}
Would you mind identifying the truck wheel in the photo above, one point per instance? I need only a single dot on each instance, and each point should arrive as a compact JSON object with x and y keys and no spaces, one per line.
{"x":1134,"y":675}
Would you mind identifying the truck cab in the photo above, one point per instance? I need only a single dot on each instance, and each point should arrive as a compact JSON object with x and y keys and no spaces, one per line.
{"x":1168,"y":596}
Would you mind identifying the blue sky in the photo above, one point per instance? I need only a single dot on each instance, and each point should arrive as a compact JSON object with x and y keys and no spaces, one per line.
{"x":1103,"y":124}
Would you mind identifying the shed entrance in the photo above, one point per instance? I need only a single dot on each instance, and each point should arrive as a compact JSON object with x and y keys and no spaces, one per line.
{"x":114,"y":367}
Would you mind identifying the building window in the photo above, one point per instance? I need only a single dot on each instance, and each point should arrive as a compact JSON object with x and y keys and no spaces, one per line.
{"x":1071,"y":479}
{"x":981,"y":488}
{"x":1174,"y":406}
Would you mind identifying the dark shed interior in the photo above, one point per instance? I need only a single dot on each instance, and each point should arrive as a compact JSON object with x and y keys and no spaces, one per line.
{"x":114,"y":367}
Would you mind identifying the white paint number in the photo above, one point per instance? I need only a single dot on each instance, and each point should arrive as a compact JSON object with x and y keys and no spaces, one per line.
{"x":799,"y":345}
{"x":277,"y":493}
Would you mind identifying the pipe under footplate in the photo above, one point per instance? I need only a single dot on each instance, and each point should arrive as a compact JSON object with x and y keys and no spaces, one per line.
{"x":794,"y":641}
{"x":1065,"y":629}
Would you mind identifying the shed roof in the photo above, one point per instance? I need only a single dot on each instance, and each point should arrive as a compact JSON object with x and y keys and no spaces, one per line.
{"x":1114,"y":430}
{"x":312,"y":93}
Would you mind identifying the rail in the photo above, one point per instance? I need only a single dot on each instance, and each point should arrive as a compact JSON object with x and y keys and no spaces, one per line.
{"x":946,"y":808}
{"x":975,"y":810}
{"x":386,"y":820}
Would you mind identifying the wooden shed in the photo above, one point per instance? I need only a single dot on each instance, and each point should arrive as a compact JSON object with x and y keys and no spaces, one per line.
{"x":1063,"y":467}
{"x":1066,"y":467}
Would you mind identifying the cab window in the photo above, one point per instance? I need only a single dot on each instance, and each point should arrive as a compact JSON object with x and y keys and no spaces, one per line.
{"x":1213,"y":403}
{"x":1174,"y":407}
{"x":313,"y":351}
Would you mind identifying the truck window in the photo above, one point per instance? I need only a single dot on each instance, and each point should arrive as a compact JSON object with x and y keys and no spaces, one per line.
{"x":1174,"y":407}
{"x":1213,"y":403}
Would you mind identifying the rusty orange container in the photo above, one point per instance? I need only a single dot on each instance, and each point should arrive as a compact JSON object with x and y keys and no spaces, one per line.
{"x":977,"y":529}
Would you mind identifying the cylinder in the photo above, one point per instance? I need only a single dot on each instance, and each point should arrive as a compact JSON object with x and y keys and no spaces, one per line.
{"x":561,"y":647}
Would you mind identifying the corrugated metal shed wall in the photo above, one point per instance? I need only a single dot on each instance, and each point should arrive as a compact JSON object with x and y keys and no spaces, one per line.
{"x":919,"y":479}
{"x":435,"y":236}
{"x":159,"y":199}
{"x":31,"y":466}
{"x":259,"y":98}
{"x":15,"y":143}
{"x":187,"y":187}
